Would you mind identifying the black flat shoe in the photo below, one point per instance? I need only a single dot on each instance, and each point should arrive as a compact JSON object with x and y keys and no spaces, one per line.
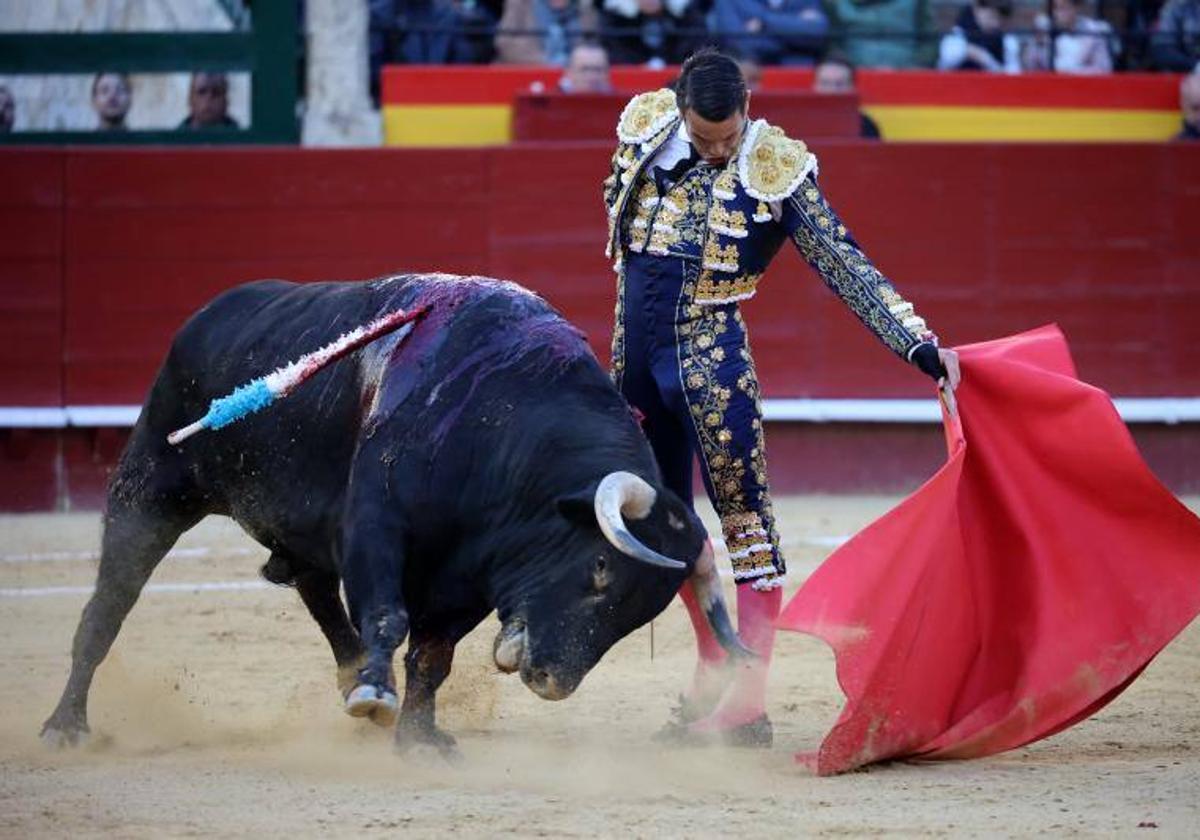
{"x":756,"y":734}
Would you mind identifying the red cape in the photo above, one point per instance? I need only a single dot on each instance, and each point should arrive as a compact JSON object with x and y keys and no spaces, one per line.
{"x":1020,"y":589}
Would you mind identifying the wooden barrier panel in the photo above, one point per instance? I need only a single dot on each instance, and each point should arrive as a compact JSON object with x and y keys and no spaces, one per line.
{"x":986,"y":239}
{"x":152,"y":236}
{"x":556,"y":116}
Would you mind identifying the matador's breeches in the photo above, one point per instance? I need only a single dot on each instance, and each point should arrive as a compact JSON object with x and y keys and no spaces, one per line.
{"x":688,"y":369}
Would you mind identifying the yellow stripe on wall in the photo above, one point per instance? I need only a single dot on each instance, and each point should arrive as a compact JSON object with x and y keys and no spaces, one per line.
{"x":447,"y":125}
{"x":482,"y":125}
{"x":924,"y":122}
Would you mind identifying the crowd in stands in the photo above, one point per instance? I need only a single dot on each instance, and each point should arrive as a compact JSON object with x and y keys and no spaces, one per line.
{"x":112,"y":97}
{"x":1002,"y":36}
{"x":835,"y":36}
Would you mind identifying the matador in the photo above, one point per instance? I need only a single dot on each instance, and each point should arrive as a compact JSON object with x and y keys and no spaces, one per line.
{"x":700,"y":198}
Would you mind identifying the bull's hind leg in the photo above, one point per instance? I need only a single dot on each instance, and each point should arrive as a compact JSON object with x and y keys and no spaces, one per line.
{"x":319,"y":591}
{"x":135,"y":540}
{"x":427,"y":665}
{"x":372,"y":572}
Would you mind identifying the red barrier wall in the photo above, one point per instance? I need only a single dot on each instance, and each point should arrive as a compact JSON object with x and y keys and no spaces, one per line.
{"x":31,"y":292}
{"x":105,"y":252}
{"x":591,"y":116}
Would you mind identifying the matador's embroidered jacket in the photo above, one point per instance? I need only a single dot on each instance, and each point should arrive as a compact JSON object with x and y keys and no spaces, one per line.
{"x":685,"y":253}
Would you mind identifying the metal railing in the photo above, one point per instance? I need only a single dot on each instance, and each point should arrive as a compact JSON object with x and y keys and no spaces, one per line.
{"x":1133,"y":52}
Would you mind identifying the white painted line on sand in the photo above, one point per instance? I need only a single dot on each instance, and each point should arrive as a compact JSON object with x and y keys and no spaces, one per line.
{"x":253,"y":585}
{"x":825,"y":542}
{"x":174,"y":554}
{"x":210,"y":586}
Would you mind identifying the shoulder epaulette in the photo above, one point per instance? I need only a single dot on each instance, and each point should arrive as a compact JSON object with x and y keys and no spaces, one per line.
{"x":646,"y":115}
{"x":771,"y":165}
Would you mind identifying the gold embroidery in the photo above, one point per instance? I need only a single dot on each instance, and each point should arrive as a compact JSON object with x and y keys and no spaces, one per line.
{"x":729,"y":222}
{"x":713,"y":287}
{"x":625,"y":183}
{"x":828,"y":247}
{"x":749,"y":545}
{"x":720,"y":257}
{"x":682,"y":214}
{"x":617,"y":361}
{"x":744,"y":509}
{"x":646,"y":114}
{"x":637,"y":228}
{"x":725,"y":187}
{"x":774,"y":165}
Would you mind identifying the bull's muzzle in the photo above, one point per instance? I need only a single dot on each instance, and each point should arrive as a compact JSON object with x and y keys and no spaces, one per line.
{"x":508,"y":649}
{"x":543,"y":683}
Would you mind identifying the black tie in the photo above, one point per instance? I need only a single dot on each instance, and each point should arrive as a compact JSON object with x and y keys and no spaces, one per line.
{"x":667,"y":178}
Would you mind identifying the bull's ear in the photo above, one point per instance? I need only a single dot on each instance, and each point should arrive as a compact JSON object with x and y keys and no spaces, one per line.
{"x":580,"y":507}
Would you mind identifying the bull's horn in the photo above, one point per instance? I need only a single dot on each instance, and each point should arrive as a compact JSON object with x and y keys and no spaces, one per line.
{"x":622,"y":494}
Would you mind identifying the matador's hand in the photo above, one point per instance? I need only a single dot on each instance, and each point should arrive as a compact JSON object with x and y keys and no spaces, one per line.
{"x":947,"y":383}
{"x":942,"y":366}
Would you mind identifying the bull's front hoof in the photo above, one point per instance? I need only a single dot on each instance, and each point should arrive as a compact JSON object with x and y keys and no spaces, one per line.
{"x":60,"y":737}
{"x":347,"y":675}
{"x":369,"y":701}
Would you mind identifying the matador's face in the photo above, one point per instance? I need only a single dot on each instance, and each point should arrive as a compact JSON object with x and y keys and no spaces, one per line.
{"x":716,"y":141}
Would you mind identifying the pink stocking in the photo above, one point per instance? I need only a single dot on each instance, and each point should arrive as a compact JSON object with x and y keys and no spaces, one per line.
{"x":746,"y":697}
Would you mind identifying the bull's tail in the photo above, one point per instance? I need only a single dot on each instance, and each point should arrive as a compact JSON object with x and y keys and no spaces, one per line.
{"x":262,"y":392}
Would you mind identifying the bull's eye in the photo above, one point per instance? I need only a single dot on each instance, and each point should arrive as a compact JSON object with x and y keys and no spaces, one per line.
{"x":600,"y":575}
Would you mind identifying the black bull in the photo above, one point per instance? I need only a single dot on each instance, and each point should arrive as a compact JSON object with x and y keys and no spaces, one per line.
{"x":437,"y":477}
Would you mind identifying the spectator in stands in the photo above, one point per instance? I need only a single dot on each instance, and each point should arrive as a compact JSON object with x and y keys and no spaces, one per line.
{"x":772,"y":31}
{"x":431,"y":32}
{"x":112,"y":95}
{"x":751,"y":72}
{"x":208,"y":103}
{"x":1189,"y":104}
{"x":1083,"y":45}
{"x":978,"y":40}
{"x":1175,"y":43}
{"x":8,"y":110}
{"x":654,"y":32}
{"x":1135,"y":21}
{"x":587,"y":70}
{"x":835,"y":74}
{"x":884,"y":33}
{"x":561,"y":23}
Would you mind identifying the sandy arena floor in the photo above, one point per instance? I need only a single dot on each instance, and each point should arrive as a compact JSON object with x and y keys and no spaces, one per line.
{"x":217,"y":715}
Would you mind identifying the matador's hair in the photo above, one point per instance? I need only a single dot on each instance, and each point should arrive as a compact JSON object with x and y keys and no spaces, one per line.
{"x":711,"y":84}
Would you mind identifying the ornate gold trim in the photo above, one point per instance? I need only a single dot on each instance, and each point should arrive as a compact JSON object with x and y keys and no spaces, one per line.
{"x":771,"y":165}
{"x":646,"y":115}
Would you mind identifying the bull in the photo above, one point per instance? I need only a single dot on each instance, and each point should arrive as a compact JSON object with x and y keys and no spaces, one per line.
{"x":485,"y":462}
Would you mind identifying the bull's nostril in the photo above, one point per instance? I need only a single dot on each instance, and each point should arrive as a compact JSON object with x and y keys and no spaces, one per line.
{"x":541,"y":675}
